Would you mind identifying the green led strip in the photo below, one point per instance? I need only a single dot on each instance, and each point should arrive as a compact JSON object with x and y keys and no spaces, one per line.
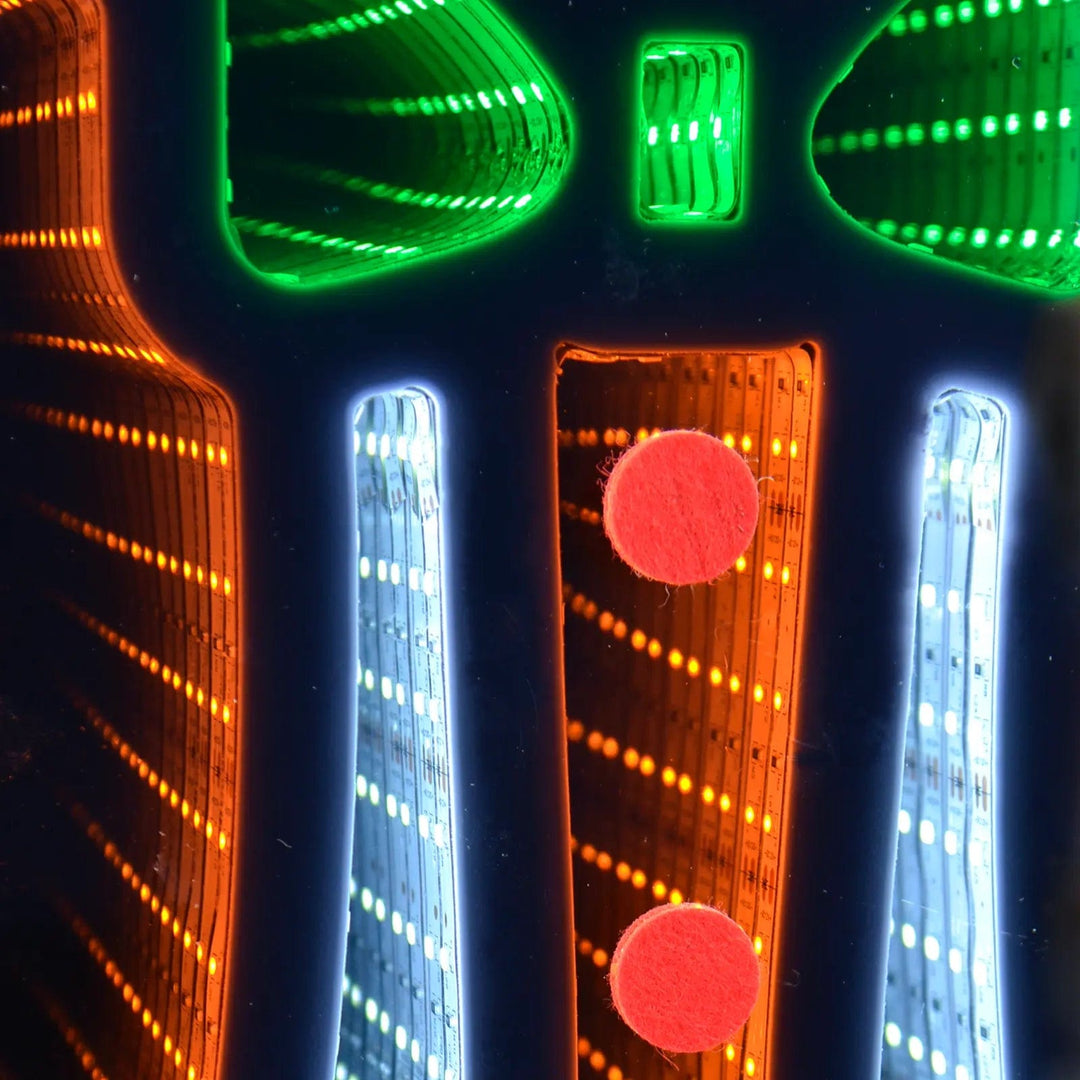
{"x":948,"y":90}
{"x":691,"y":132}
{"x":329,"y":173}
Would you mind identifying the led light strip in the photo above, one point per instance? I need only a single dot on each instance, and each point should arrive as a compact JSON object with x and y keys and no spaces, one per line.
{"x":609,"y":748}
{"x":945,"y":15}
{"x":978,"y":237}
{"x":641,"y":642}
{"x":44,"y":111}
{"x":98,"y":348}
{"x":943,"y":933}
{"x":173,"y":1053}
{"x":128,"y":435}
{"x":588,"y":437}
{"x":914,"y":134}
{"x":199,"y":821}
{"x":169,"y":676}
{"x":379,"y":1017}
{"x":344,"y":24}
{"x":438,"y":834}
{"x":597,"y":1060}
{"x":428,"y":105}
{"x":140,"y":553}
{"x":64,"y":237}
{"x":73,"y":1037}
{"x":377,"y":906}
{"x":380,"y":190}
{"x":277,"y":230}
{"x":169,"y":919}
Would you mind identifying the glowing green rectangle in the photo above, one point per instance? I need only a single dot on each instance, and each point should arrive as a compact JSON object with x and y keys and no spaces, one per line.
{"x":691,"y":117}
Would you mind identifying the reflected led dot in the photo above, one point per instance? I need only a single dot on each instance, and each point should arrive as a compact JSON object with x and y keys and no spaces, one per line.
{"x":956,"y":961}
{"x":892,"y":1034}
{"x":952,"y":844}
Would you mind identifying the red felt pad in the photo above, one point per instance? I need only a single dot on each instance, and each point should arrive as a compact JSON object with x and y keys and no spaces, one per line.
{"x":680,"y":507}
{"x":685,"y":977}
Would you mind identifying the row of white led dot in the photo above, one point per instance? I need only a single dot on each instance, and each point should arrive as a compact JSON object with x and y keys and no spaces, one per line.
{"x":381,"y":1017}
{"x":932,"y":951}
{"x":405,"y":448}
{"x":377,"y":906}
{"x":438,"y":833}
{"x":928,"y":834}
{"x":392,"y":691}
{"x":418,"y":580}
{"x":894,"y":1037}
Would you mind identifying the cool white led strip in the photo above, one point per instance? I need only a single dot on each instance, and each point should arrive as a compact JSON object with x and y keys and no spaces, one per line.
{"x":942,"y":1000}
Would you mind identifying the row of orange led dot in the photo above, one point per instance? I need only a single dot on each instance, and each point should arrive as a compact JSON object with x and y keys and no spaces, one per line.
{"x":598,"y":956}
{"x":72,"y":1037}
{"x":168,"y":918}
{"x":98,"y":348}
{"x":89,"y":235}
{"x":139,"y":552}
{"x":201,"y":823}
{"x":640,"y":641}
{"x":173,"y":1052}
{"x":12,"y":5}
{"x":624,"y":872}
{"x":151,"y":663}
{"x":106,"y":299}
{"x":622,"y":437}
{"x":598,"y":1060}
{"x":45,"y":110}
{"x":638,"y":878}
{"x":129,"y":436}
{"x":644,"y":763}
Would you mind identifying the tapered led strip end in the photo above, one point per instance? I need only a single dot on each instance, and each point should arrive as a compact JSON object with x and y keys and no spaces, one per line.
{"x":956,"y":133}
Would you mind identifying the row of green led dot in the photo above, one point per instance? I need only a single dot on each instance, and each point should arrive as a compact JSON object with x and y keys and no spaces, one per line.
{"x":932,"y":235}
{"x":436,"y":105}
{"x":344,"y":24}
{"x":280,"y":231}
{"x":940,"y":131}
{"x":946,"y":14}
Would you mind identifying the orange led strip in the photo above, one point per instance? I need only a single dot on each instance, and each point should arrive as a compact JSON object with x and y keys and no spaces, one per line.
{"x":597,"y":1060}
{"x":598,"y":956}
{"x":173,"y":1052}
{"x":198,"y":820}
{"x":44,"y":111}
{"x":646,"y":765}
{"x":641,"y":642}
{"x":74,"y":1039}
{"x":99,"y":348}
{"x":157,"y":906}
{"x":140,"y":553}
{"x":128,"y":435}
{"x":168,"y":676}
{"x":624,"y":872}
{"x":64,"y":237}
